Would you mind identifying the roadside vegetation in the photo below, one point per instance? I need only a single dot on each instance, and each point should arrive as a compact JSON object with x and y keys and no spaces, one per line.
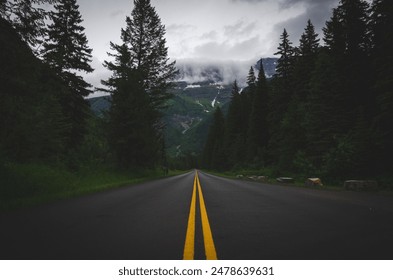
{"x":326,"y":113}
{"x":52,"y":145}
{"x":25,"y":185}
{"x":299,"y":180}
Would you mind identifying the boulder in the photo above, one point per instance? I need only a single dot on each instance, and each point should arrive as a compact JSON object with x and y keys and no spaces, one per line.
{"x":262,"y":178}
{"x":361,"y":185}
{"x":313,"y":182}
{"x":285,"y":180}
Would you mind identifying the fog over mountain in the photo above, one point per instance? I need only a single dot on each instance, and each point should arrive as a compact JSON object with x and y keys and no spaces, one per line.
{"x":224,"y":72}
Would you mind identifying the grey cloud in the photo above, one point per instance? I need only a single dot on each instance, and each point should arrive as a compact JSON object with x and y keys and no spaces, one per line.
{"x":250,"y":1}
{"x":117,"y":13}
{"x":285,"y":4}
{"x":239,"y":29}
{"x":180,"y":28}
{"x":318,"y":11}
{"x":225,"y":49}
{"x":212,"y":35}
{"x":195,"y":71}
{"x":308,"y":3}
{"x":100,"y":73}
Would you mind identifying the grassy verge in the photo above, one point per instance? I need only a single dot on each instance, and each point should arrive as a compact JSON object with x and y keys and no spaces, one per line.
{"x":385,"y":183}
{"x":25,"y":185}
{"x":299,"y":181}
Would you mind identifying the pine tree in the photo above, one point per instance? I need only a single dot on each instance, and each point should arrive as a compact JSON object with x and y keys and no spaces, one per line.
{"x":309,"y":42}
{"x":348,"y":38}
{"x":28,"y":18}
{"x":283,"y":77}
{"x":281,"y":93}
{"x":293,"y":127}
{"x":340,"y":101}
{"x":145,"y":37}
{"x":382,"y":59}
{"x":251,"y":80}
{"x":234,"y":136}
{"x":304,"y":65}
{"x":324,"y":118}
{"x":32,"y":123}
{"x":141,"y":76}
{"x":4,"y":9}
{"x":334,"y":36}
{"x":120,"y":67}
{"x":131,"y":134}
{"x":257,"y":135}
{"x":286,"y":53}
{"x":214,"y":153}
{"x":305,"y":59}
{"x":66,"y":51}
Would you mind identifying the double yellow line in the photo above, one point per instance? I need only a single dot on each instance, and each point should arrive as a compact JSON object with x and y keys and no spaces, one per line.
{"x":210,"y":249}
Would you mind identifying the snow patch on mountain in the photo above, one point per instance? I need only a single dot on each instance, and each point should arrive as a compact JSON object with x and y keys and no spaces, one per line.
{"x":191,"y":86}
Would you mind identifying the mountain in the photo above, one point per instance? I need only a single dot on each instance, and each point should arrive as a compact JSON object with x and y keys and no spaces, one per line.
{"x":221,"y":72}
{"x":269,"y":65}
{"x":198,"y":90}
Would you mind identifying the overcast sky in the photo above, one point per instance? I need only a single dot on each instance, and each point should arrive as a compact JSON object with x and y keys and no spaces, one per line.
{"x":207,"y":30}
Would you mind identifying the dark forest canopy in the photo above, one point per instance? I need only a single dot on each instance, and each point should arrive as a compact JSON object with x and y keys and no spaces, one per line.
{"x":328,"y":110}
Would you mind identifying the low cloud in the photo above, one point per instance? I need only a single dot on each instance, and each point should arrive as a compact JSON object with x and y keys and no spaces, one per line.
{"x":180,"y":29}
{"x":287,"y":3}
{"x":225,"y":72}
{"x":100,"y":73}
{"x":241,"y":28}
{"x":234,"y":50}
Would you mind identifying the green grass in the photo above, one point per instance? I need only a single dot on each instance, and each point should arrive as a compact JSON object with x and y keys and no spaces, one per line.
{"x":25,"y":185}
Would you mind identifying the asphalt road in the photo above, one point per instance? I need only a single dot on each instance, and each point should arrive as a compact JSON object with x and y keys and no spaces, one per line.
{"x":246,"y":220}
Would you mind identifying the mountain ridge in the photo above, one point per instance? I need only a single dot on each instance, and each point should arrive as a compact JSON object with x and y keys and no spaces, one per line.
{"x":195,"y":94}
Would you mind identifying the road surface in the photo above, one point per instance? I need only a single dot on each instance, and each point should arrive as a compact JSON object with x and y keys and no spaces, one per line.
{"x":200,"y":216}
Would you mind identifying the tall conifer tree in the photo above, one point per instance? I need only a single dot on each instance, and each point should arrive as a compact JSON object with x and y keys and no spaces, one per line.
{"x":67,"y":52}
{"x":141,"y":77}
{"x":145,"y":36}
{"x":382,"y":58}
{"x":257,"y":135}
{"x":28,"y":19}
{"x":234,"y":139}
{"x":281,"y":93}
{"x":214,"y":156}
{"x":286,"y":54}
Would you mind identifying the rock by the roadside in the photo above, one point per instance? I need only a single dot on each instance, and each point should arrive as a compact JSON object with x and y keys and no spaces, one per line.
{"x":285,"y":180}
{"x":253,"y":177}
{"x":239,"y":176}
{"x":262,"y":178}
{"x":313,"y":182}
{"x":361,"y":185}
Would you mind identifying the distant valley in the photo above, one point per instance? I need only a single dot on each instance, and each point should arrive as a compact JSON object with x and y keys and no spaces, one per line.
{"x":196,"y":93}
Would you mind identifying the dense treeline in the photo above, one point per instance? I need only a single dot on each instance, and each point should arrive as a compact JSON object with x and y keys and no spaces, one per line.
{"x":327,"y":111}
{"x":44,"y":112}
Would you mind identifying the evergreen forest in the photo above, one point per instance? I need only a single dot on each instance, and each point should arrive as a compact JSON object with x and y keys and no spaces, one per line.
{"x":327,"y":111}
{"x":51,"y":143}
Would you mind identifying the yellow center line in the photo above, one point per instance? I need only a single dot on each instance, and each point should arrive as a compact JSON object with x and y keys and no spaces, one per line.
{"x":188,"y":253}
{"x":210,"y":249}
